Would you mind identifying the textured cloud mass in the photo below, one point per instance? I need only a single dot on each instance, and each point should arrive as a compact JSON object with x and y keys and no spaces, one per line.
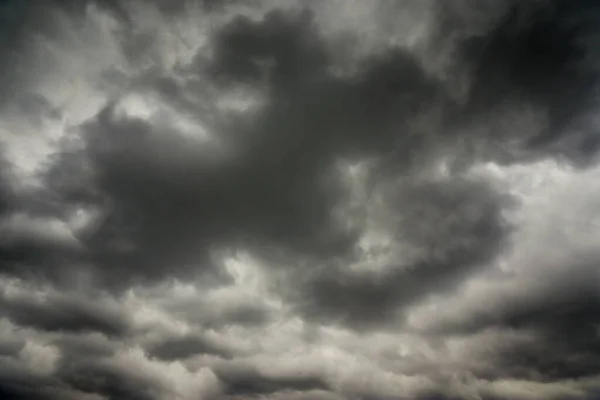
{"x":332,"y":200}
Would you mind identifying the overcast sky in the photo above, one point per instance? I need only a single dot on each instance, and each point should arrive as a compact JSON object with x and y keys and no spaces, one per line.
{"x":299,"y":200}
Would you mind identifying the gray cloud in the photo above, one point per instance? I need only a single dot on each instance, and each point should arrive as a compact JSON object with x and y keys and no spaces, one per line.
{"x":110,"y":382}
{"x":234,"y":200}
{"x":58,"y":313}
{"x":246,"y":382}
{"x":182,"y":347}
{"x":453,"y":227}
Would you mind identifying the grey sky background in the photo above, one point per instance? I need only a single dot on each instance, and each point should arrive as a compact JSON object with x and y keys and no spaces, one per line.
{"x":286,"y":200}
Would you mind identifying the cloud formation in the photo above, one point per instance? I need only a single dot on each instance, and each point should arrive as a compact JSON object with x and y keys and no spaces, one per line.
{"x":310,"y":200}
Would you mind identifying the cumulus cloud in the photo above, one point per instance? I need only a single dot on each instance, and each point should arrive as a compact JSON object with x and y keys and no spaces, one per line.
{"x":310,"y":200}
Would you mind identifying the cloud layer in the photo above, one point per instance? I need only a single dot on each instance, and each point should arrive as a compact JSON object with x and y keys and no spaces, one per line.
{"x":310,"y":200}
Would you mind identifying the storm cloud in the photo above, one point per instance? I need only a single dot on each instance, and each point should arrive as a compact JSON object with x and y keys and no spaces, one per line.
{"x":305,"y":200}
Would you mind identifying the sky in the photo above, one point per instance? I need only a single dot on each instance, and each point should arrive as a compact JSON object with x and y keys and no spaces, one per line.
{"x":299,"y":200}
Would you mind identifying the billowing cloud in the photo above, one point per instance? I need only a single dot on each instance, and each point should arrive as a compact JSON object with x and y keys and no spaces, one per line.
{"x":311,"y":200}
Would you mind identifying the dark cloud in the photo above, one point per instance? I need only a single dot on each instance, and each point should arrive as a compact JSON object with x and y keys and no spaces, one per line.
{"x":314,"y":114}
{"x":294,"y":395}
{"x":77,"y":346}
{"x":11,"y":348}
{"x":67,"y":314}
{"x":130,"y":376}
{"x":248,"y":382}
{"x":113,"y":383}
{"x":183,"y":347}
{"x":164,"y":181}
{"x":539,"y":53}
{"x":557,"y":323}
{"x":17,"y":383}
{"x":13,"y":391}
{"x":279,"y":186}
{"x":174,"y":203}
{"x":5,"y":189}
{"x":566,"y":342}
{"x":290,"y":44}
{"x":27,"y":249}
{"x":457,"y":225}
{"x":245,"y":313}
